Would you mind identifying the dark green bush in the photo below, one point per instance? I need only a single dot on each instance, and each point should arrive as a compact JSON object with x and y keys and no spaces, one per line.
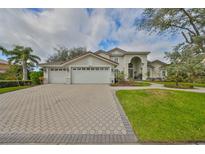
{"x":36,"y":77}
{"x":14,"y":83}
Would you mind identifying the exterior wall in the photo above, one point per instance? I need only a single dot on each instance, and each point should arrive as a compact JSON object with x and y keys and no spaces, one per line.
{"x":156,"y":71}
{"x":120,"y":65}
{"x":45,"y":75}
{"x":3,"y":67}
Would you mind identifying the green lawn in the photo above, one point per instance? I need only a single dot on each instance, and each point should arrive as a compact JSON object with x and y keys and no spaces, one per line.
{"x":194,"y":84}
{"x":165,"y":115}
{"x":5,"y":90}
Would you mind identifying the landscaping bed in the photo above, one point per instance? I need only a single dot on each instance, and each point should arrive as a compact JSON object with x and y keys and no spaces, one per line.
{"x":171,"y":82}
{"x":131,"y":83}
{"x":180,"y":85}
{"x":9,"y":89}
{"x":165,"y":116}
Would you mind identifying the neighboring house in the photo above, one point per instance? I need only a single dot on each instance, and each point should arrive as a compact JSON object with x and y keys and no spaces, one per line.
{"x":3,"y":66}
{"x":156,"y":70}
{"x":101,"y":67}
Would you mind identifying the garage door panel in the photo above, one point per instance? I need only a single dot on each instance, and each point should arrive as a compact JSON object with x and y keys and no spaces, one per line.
{"x":90,"y":75}
{"x":57,"y":76}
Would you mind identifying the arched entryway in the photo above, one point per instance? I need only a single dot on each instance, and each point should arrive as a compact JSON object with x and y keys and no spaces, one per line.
{"x":135,"y":69}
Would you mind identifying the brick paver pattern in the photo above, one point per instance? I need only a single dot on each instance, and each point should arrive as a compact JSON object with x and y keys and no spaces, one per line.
{"x":78,"y":111}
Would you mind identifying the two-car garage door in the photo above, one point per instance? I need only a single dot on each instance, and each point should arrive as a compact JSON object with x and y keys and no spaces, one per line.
{"x":81,"y":75}
{"x":86,"y":75}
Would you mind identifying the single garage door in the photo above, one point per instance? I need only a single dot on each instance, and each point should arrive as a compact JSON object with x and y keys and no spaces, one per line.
{"x":57,"y":76}
{"x":86,"y":75}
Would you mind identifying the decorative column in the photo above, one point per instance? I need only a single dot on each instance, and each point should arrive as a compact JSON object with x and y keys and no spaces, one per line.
{"x":144,"y":70}
{"x":126,"y":71}
{"x":45,"y":75}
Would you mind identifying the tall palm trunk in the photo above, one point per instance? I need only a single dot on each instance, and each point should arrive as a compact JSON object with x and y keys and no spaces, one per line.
{"x":25,"y":74}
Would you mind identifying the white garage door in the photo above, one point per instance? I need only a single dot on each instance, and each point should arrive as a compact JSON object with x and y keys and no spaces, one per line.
{"x":84,"y":75}
{"x":57,"y":76}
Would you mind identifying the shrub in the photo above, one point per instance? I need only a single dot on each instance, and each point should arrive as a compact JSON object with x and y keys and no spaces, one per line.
{"x":130,"y":83}
{"x":180,"y":85}
{"x":14,"y":83}
{"x":36,"y":77}
{"x":120,"y":76}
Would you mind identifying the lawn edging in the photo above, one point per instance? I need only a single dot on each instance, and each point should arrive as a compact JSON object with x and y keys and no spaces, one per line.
{"x":130,"y":132}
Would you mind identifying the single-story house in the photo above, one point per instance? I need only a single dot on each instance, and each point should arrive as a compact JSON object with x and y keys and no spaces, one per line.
{"x":101,"y":67}
{"x":4,"y":66}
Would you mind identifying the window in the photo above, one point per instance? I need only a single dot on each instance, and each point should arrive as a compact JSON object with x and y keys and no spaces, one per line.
{"x":56,"y":69}
{"x":116,"y":59}
{"x":163,"y":73}
{"x":60,"y":69}
{"x":52,"y":69}
{"x":83,"y":68}
{"x":78,"y":68}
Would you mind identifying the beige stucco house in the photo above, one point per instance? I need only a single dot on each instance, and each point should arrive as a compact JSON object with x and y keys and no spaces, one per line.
{"x":101,"y":67}
{"x":4,"y":66}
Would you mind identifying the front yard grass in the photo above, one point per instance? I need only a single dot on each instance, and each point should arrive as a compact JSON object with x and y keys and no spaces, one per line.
{"x":8,"y":89}
{"x":165,"y":115}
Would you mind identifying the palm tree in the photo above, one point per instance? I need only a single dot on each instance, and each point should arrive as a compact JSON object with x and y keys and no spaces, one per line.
{"x":23,"y":56}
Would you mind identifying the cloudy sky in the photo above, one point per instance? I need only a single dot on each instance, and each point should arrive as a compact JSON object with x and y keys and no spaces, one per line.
{"x":44,"y":29}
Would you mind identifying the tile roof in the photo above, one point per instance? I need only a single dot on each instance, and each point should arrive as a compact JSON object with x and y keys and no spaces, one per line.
{"x":63,"y":62}
{"x":3,"y":61}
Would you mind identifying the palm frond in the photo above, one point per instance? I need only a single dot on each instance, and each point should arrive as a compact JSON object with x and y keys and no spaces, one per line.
{"x":34,"y":60}
{"x":35,"y":57}
{"x":4,"y":50}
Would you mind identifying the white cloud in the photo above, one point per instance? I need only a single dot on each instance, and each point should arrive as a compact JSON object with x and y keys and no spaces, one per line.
{"x":74,"y":27}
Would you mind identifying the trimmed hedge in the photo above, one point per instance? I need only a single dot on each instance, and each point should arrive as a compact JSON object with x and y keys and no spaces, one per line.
{"x":14,"y":83}
{"x":180,"y":85}
{"x":131,"y":83}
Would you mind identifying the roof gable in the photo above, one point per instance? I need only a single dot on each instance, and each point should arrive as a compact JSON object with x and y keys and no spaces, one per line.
{"x":93,"y":55}
{"x":80,"y":58}
{"x":117,"y":49}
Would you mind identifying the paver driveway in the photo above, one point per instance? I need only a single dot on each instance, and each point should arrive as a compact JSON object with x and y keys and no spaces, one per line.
{"x":61,"y":114}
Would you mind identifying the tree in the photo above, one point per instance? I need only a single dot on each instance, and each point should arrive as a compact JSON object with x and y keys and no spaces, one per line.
{"x":185,"y":65}
{"x":186,"y":60}
{"x":23,"y":56}
{"x":64,"y":54}
{"x":189,"y":22}
{"x":193,"y":63}
{"x":176,"y":68}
